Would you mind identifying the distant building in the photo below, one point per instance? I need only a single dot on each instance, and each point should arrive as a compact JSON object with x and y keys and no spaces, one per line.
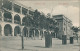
{"x":64,"y":25}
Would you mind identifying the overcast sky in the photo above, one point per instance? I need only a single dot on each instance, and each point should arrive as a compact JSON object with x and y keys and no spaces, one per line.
{"x":69,"y":8}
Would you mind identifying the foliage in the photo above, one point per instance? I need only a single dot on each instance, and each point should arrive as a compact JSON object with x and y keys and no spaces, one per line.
{"x":75,"y":29}
{"x":38,"y":20}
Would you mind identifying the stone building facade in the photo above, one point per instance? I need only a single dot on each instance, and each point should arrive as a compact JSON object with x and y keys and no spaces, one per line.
{"x":12,"y":15}
{"x":64,"y":25}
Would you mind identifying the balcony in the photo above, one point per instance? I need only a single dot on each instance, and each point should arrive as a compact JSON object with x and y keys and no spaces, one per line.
{"x":17,"y":22}
{"x":7,"y":20}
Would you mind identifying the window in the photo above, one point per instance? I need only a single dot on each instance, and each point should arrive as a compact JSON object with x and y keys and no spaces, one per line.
{"x":17,"y":8}
{"x":24,"y":11}
{"x":30,"y":12}
{"x":7,"y":4}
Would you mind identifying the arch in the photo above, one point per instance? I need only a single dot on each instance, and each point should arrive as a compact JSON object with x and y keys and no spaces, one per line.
{"x":7,"y":17}
{"x":25,"y":32}
{"x":31,"y":32}
{"x":8,"y":30}
{"x":23,"y":20}
{"x":41,"y":33}
{"x":17,"y":31}
{"x":17,"y":19}
{"x":36,"y":33}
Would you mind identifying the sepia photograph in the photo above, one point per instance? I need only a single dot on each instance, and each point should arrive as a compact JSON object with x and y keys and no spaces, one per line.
{"x":39,"y":25}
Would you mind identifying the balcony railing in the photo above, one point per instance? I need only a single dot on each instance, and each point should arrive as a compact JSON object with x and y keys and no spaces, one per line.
{"x":7,"y":19}
{"x":17,"y":22}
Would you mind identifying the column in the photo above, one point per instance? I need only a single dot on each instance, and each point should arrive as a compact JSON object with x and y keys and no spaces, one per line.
{"x":2,"y":30}
{"x":12,"y":31}
{"x":2,"y":16}
{"x":12,"y":18}
{"x":34,"y":34}
{"x":21,"y":10}
{"x":21,"y":30}
{"x":21,"y":20}
{"x":55,"y":35}
{"x":28,"y":32}
{"x":12,"y":6}
{"x":39,"y":34}
{"x":43,"y":33}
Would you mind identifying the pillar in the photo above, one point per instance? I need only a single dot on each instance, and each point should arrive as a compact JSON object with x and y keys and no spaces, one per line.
{"x":34,"y":34}
{"x":55,"y":35}
{"x":21,"y":27}
{"x":21,"y":20}
{"x":28,"y":32}
{"x":39,"y":34}
{"x":21,"y":10}
{"x":13,"y":18}
{"x":43,"y":33}
{"x":2,"y":16}
{"x":22,"y":37}
{"x":12,"y":31}
{"x":2,"y":30}
{"x":12,"y":6}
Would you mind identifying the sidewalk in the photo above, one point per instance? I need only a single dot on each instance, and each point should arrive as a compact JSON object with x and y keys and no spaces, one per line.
{"x":37,"y":45}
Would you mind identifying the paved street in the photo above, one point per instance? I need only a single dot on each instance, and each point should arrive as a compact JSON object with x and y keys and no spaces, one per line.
{"x":9,"y":44}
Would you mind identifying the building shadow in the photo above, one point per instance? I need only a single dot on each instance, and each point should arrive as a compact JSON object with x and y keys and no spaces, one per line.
{"x":40,"y":46}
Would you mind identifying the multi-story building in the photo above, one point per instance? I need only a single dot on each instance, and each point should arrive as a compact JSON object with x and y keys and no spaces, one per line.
{"x":64,"y":25}
{"x":12,"y":17}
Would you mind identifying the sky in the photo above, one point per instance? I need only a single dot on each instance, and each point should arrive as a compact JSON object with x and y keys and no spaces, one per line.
{"x":69,"y":8}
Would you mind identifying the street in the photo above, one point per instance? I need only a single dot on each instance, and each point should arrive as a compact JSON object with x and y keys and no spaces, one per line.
{"x":8,"y":44}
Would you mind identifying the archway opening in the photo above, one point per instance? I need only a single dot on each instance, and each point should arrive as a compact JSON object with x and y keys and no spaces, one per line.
{"x":36,"y":33}
{"x":25,"y":32}
{"x":8,"y":30}
{"x":17,"y":19}
{"x":41,"y":34}
{"x":17,"y":31}
{"x":23,"y":21}
{"x":7,"y":17}
{"x":31,"y":32}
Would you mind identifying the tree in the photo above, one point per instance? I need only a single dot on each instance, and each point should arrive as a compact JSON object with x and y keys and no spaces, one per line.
{"x":42,"y":21}
{"x":75,"y":29}
{"x":36,"y":16}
